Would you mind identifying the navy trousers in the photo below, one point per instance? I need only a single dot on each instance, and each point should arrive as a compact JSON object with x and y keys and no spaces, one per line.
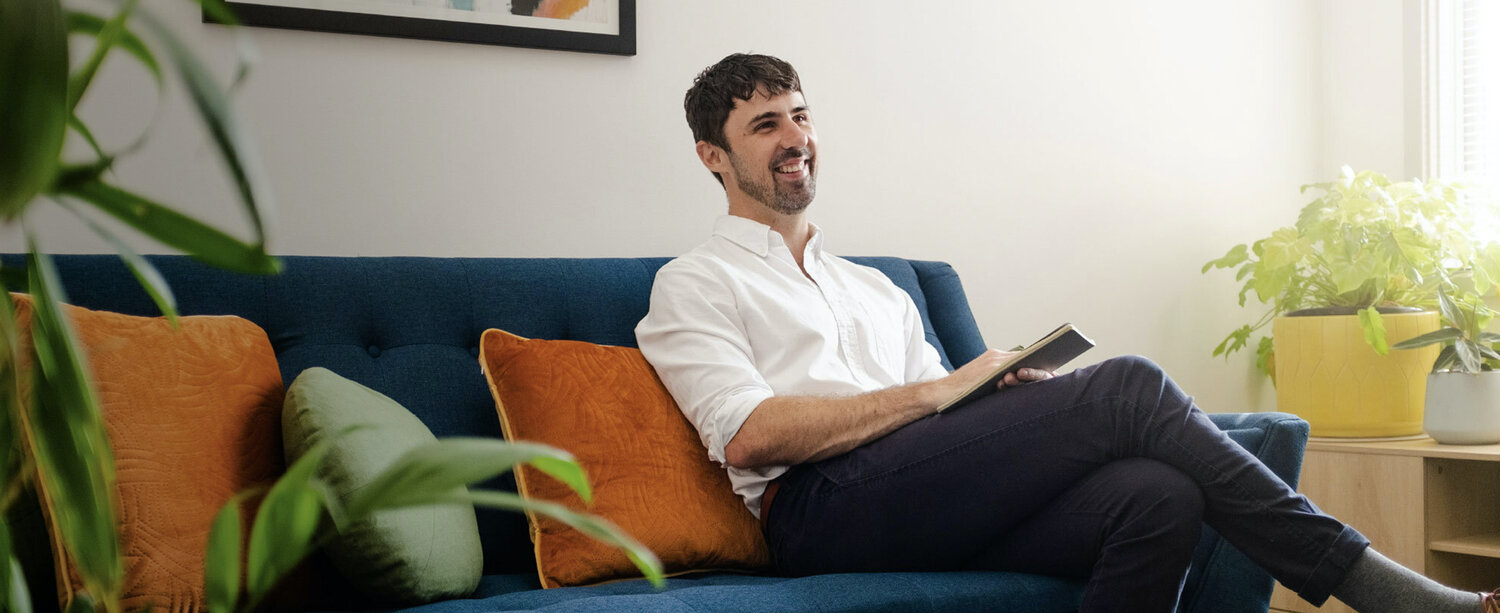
{"x":1106,"y":473}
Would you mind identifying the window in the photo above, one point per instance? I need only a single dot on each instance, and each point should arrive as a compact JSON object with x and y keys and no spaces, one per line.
{"x":1461,"y":89}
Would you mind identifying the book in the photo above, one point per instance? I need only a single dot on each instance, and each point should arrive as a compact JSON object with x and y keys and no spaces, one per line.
{"x":1049,"y":354}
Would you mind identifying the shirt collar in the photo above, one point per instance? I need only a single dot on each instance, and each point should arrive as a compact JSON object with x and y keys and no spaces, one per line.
{"x":759,"y":238}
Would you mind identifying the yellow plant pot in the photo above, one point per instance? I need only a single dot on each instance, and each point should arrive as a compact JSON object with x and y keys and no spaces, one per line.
{"x":1327,"y":374}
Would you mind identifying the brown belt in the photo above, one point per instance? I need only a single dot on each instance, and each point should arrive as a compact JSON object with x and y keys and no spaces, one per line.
{"x":765,"y":501}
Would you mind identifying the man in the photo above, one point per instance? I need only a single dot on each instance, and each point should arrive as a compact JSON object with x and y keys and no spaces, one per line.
{"x":810,"y":380}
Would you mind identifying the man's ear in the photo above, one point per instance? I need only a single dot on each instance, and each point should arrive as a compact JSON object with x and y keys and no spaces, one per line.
{"x":714,"y":158}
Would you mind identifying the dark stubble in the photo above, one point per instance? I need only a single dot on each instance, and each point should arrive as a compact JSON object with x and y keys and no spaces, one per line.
{"x":784,"y":200}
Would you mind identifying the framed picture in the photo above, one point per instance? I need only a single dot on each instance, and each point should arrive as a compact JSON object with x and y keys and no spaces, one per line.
{"x":595,"y":26}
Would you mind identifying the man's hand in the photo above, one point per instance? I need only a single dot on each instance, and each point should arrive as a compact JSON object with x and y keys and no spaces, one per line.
{"x":979,"y":368}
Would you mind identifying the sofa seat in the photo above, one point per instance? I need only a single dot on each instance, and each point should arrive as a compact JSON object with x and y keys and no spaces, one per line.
{"x":729,"y":593}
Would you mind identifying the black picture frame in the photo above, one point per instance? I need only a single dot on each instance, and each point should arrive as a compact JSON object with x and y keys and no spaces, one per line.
{"x":348,"y":22}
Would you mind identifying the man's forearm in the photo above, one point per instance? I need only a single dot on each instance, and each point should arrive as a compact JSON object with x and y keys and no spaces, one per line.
{"x":789,"y":430}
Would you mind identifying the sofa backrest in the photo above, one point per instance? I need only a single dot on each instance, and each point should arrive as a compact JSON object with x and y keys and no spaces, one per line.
{"x":410,"y":327}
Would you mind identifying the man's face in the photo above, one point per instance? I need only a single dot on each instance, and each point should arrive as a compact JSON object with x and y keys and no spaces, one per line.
{"x":773,"y":151}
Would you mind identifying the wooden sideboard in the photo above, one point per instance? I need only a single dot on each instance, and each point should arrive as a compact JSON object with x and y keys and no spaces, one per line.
{"x":1434,"y":508}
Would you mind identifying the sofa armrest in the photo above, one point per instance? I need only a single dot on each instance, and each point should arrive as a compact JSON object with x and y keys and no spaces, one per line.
{"x":1221,"y":579}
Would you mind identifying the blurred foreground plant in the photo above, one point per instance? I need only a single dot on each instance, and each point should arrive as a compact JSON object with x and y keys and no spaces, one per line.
{"x":40,"y":89}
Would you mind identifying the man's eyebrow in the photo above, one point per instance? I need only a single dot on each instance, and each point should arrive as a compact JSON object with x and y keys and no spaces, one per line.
{"x":769,"y":114}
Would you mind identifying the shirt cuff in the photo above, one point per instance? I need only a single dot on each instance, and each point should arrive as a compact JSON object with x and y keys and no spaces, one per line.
{"x":732,"y":413}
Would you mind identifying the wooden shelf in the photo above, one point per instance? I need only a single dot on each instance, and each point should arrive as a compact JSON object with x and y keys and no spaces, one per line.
{"x":1483,"y":545}
{"x":1423,"y":447}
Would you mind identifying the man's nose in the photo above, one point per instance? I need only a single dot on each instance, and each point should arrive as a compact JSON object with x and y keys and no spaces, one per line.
{"x":794,"y":136}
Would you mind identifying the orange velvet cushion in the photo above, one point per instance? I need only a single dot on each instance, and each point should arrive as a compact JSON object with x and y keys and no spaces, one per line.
{"x":193,"y":416}
{"x":651,"y":475}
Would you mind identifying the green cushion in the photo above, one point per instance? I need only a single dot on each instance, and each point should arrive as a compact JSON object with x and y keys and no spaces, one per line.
{"x":401,"y":556}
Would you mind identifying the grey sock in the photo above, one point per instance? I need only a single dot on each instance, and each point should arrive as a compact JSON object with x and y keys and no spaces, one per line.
{"x":1376,"y":584}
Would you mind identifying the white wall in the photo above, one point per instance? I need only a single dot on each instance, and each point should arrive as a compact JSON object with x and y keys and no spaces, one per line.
{"x":1075,"y":160}
{"x":1369,"y":121}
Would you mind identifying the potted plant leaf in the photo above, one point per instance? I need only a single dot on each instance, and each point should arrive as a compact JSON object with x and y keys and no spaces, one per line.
{"x":1360,"y":268}
{"x":1463,"y":391}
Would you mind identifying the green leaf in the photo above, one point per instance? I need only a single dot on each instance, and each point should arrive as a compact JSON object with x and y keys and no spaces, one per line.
{"x":285,"y":524}
{"x":175,"y":229}
{"x":1451,"y":312}
{"x":1468,"y":356}
{"x":1234,"y":342}
{"x":1363,"y":273}
{"x":1244,"y":271}
{"x":14,"y":596}
{"x":213,"y":107}
{"x":72,"y":451}
{"x":107,"y":35}
{"x":93,"y":25}
{"x":88,"y":136}
{"x":1272,"y":283}
{"x":1284,"y":248}
{"x":1237,"y":255}
{"x":434,"y":470}
{"x":1487,"y":268}
{"x":14,"y":474}
{"x":1446,"y":359}
{"x":145,"y":273}
{"x":33,"y":99}
{"x":1441,"y":336}
{"x":219,"y":12}
{"x":595,"y":527}
{"x":19,"y":596}
{"x":1374,"y":328}
{"x":1265,"y":356}
{"x":82,"y":603}
{"x":221,"y":564}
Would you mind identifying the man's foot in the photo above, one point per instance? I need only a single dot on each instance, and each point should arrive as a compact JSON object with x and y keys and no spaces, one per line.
{"x":1490,"y":603}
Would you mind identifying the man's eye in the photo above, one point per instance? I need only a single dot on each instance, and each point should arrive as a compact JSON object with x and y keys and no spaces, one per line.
{"x":765,"y":125}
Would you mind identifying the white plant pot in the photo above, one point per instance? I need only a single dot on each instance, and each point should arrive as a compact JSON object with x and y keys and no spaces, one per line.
{"x":1463,"y":409}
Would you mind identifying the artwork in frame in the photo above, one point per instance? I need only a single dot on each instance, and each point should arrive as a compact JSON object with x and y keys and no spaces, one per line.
{"x":596,"y":26}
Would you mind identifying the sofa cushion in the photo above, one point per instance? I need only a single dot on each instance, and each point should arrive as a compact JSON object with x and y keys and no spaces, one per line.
{"x":399,"y":556}
{"x":651,"y":475}
{"x":191,"y":415}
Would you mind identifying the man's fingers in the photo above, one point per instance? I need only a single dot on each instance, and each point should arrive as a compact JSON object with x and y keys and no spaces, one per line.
{"x":1025,"y":375}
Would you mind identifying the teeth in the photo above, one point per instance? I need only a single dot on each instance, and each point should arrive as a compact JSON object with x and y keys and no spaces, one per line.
{"x":791,"y":167}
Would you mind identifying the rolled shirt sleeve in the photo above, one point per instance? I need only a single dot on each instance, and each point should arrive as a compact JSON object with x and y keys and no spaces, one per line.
{"x":694,"y":338}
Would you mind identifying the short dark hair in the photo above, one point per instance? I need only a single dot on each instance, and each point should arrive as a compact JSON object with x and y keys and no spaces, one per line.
{"x":737,"y":77}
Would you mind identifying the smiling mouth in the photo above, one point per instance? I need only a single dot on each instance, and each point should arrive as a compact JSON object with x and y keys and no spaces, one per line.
{"x":793,"y":168}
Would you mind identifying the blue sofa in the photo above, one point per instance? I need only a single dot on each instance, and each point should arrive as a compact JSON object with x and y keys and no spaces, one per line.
{"x":410,"y":328}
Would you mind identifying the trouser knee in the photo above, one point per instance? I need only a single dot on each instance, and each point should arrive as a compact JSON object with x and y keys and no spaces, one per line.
{"x":1131,"y":368}
{"x":1137,"y":381}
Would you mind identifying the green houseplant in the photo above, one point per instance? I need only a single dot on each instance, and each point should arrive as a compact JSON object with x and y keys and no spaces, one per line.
{"x":1466,"y":346}
{"x":1364,"y":250}
{"x":1365,"y":243}
{"x":1463,"y":391}
{"x":40,"y":88}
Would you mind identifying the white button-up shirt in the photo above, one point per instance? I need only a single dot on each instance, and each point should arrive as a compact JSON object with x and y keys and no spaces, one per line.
{"x":734,"y":322}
